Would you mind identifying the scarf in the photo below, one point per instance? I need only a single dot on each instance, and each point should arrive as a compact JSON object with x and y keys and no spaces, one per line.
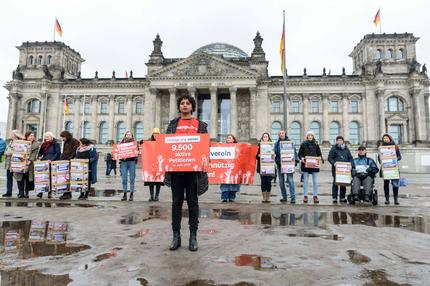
{"x":46,"y":146}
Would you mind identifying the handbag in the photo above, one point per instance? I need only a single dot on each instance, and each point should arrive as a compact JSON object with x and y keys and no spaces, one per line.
{"x":402,"y":182}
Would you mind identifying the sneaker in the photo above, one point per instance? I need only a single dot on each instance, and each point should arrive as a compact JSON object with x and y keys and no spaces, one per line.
{"x":316,"y":201}
{"x":293,"y":201}
{"x":283,"y":200}
{"x":334,"y":201}
{"x":343,"y":201}
{"x":7,"y":195}
{"x":305,"y":199}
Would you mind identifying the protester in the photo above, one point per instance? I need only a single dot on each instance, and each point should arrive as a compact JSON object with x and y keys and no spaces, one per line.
{"x":2,"y":148}
{"x":339,"y":153}
{"x":266,"y":185}
{"x":387,"y":140}
{"x":283,"y":138}
{"x":228,"y":191}
{"x":70,"y":145}
{"x":363,"y":175}
{"x":86,"y":150}
{"x":49,"y":151}
{"x":310,"y":147}
{"x":152,"y":185}
{"x":108,"y":160}
{"x":25,"y":180}
{"x":128,"y":168}
{"x":189,"y":182}
{"x":14,"y":135}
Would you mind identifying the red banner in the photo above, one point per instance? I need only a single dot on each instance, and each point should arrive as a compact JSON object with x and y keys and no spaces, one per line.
{"x":183,"y":153}
{"x":124,"y":150}
{"x":152,"y":162}
{"x":232,"y":163}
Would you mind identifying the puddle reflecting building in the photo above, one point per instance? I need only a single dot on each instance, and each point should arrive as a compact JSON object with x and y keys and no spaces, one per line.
{"x":386,"y":92}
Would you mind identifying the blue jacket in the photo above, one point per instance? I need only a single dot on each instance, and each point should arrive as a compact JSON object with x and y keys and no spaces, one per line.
{"x":53,"y":153}
{"x":372,"y":168}
{"x":93,"y":165}
{"x":278,"y":151}
{"x":2,"y":146}
{"x":338,"y":154}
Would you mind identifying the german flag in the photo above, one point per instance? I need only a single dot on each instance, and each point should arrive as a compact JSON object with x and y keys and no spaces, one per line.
{"x":377,"y":19}
{"x":281,"y":51}
{"x":66,"y":107}
{"x":58,"y":29}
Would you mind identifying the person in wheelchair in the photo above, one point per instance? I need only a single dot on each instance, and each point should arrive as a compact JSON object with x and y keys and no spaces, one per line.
{"x":363,"y":175}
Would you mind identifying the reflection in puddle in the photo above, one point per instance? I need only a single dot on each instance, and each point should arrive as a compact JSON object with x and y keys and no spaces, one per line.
{"x":357,"y":258}
{"x":256,"y":261}
{"x":153,"y":212}
{"x":104,"y":193}
{"x":49,"y":205}
{"x":27,"y":239}
{"x":212,"y":283}
{"x":110,"y":254}
{"x":323,"y":236}
{"x":379,"y":278}
{"x":23,"y":277}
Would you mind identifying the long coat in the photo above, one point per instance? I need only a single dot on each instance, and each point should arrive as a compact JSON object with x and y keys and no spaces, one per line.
{"x":34,"y":150}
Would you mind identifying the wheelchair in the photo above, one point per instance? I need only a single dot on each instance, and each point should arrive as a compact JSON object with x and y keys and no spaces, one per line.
{"x":373,"y":195}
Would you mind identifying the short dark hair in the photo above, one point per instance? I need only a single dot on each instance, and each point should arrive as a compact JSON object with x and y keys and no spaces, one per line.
{"x":189,"y":98}
{"x":28,"y":133}
{"x":85,"y":141}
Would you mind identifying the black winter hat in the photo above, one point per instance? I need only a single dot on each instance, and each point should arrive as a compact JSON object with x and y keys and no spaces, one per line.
{"x":340,"y":137}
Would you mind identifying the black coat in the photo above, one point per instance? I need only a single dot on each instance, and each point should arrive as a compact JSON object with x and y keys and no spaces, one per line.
{"x":337,"y":154}
{"x":53,"y":153}
{"x":309,"y":148}
{"x":203,"y":181}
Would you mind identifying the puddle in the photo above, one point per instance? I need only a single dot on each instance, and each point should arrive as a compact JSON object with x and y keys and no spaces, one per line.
{"x":49,"y":205}
{"x":110,"y":254}
{"x":357,"y":258}
{"x":27,"y":239}
{"x":317,"y":235}
{"x":153,"y":212}
{"x":104,"y":193}
{"x":143,"y":281}
{"x":24,"y":277}
{"x":212,"y":283}
{"x":378,"y":277}
{"x":256,"y":261}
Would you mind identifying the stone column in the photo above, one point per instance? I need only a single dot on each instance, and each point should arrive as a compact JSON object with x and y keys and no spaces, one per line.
{"x":233,"y":111}
{"x":305,"y":114}
{"x":157,"y":99}
{"x":148,"y":111}
{"x":325,"y":125}
{"x":111,"y":124}
{"x":130,"y":113}
{"x":427,"y":116}
{"x":415,"y":92}
{"x":253,"y":112}
{"x":364,"y":121}
{"x":381,"y":110}
{"x":345,"y":118}
{"x":214,"y":113}
{"x":13,"y":102}
{"x":173,"y":111}
{"x":42,"y":119}
{"x":192,"y":93}
{"x":76,"y":115}
{"x":94,"y":118}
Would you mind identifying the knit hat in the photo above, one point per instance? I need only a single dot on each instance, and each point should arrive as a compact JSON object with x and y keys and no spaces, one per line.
{"x":340,"y":137}
{"x":156,"y":130}
{"x":310,"y":132}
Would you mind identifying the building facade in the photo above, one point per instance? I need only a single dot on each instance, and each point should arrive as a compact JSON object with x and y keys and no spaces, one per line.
{"x":387,"y":92}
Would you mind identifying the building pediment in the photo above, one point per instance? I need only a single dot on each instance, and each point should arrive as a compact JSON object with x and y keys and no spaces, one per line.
{"x":396,"y":117}
{"x":203,"y":66}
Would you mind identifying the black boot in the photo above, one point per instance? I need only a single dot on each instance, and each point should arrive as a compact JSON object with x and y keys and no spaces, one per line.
{"x":86,"y":195}
{"x":39,"y":195}
{"x":396,"y":196}
{"x":124,"y":197}
{"x":81,"y":196}
{"x":176,"y":241}
{"x":131,"y":197}
{"x":151,"y":192}
{"x":193,"y":241}
{"x":387,"y":196}
{"x":157,"y":194}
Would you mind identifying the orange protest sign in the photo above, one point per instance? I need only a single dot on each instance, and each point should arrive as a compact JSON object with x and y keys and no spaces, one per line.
{"x":184,"y":153}
{"x":152,"y":162}
{"x":124,"y":150}
{"x":232,"y":163}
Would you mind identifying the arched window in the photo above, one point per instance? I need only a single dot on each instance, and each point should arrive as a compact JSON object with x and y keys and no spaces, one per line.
{"x":334,"y":132}
{"x":69,"y":126}
{"x":120,"y":131}
{"x":87,"y":107}
{"x":121,"y":106}
{"x":276,"y":106}
{"x":276,"y":126}
{"x":394,"y":104}
{"x":39,"y":60}
{"x":138,"y":130}
{"x":30,"y":60}
{"x":400,"y":54}
{"x":378,"y":54}
{"x":87,"y":129}
{"x":389,"y":54}
{"x":33,"y":106}
{"x":104,"y":107}
{"x":316,"y":128}
{"x":139,"y":107}
{"x":48,"y":60}
{"x":296,"y":132}
{"x":103,"y":132}
{"x":354,"y":133}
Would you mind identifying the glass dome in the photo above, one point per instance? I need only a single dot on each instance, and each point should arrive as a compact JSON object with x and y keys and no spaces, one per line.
{"x":221,"y":49}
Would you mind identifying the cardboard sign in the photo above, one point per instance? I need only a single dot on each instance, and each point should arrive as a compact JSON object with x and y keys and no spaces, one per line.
{"x":232,"y":163}
{"x":19,"y":159}
{"x":125,"y":150}
{"x":287,"y":154}
{"x":152,"y":162}
{"x":41,"y":176}
{"x":11,"y":241}
{"x":79,"y":174}
{"x":57,"y":232}
{"x":37,"y":231}
{"x":343,"y":173}
{"x":389,"y":164}
{"x":60,"y":176}
{"x":312,"y":162}
{"x":184,"y":153}
{"x":267,"y":159}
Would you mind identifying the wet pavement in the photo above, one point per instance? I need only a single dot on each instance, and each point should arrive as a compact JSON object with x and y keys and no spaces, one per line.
{"x":103,"y":241}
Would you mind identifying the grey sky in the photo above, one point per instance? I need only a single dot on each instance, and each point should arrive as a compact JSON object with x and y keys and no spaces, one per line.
{"x":117,"y":35}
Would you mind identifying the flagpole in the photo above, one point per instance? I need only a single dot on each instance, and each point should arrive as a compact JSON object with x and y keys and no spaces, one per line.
{"x":64,"y":121}
{"x":380,"y":21}
{"x":54,"y":27}
{"x":83,"y":118}
{"x":284,"y":77}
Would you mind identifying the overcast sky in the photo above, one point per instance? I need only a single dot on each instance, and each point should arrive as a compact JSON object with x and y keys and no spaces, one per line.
{"x":118,"y":35}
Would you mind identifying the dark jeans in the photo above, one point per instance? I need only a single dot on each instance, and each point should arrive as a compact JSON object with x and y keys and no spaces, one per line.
{"x":266,"y":185}
{"x":9,"y":184}
{"x":157,"y":190}
{"x":334,"y":191}
{"x":387,"y":191}
{"x":186,"y":181}
{"x":24,"y":185}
